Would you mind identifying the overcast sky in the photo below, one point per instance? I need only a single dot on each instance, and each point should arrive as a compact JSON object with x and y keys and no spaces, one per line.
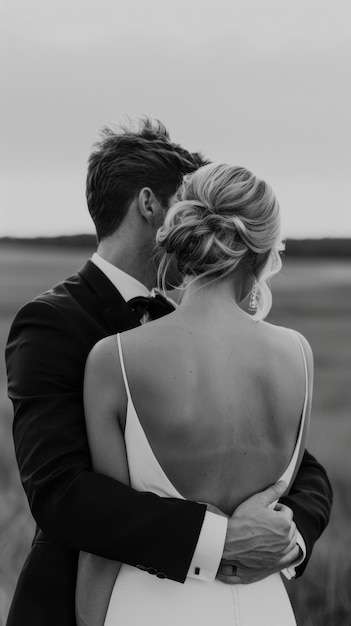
{"x":260,"y":83}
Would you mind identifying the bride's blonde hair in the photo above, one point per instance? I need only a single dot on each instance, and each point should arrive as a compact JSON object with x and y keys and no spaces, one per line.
{"x":225,"y":217}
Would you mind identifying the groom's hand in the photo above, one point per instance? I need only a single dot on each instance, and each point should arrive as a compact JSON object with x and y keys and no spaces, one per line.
{"x":260,"y":540}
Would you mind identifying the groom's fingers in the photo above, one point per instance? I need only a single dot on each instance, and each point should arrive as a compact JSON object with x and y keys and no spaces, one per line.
{"x":290,"y":558}
{"x":271,"y":494}
{"x":292,"y":538}
{"x":293,"y":532}
{"x":230,"y":580}
{"x":228,"y":573}
{"x":265,"y":498}
{"x":227,"y":569}
{"x":282,"y":508}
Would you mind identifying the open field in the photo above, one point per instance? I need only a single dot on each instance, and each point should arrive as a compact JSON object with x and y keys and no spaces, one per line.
{"x":312,"y":296}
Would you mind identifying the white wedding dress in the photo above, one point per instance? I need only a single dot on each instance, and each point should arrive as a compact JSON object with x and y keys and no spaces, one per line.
{"x":139,"y":598}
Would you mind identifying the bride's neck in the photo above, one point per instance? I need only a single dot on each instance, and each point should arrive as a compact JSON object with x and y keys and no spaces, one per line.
{"x":204,"y":292}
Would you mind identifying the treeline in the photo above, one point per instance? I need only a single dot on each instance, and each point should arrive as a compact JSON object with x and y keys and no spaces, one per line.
{"x":328,"y":247}
{"x":62,"y":241}
{"x":337,"y":248}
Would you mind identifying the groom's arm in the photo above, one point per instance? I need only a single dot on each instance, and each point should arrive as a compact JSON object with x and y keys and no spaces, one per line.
{"x":73,"y":506}
{"x":310,"y":498}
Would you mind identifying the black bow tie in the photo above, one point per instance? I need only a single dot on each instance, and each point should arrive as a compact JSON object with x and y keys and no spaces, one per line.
{"x":155,"y":306}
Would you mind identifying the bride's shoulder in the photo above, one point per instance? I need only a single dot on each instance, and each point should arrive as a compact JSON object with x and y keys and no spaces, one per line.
{"x":103,"y":348}
{"x":154,"y":333}
{"x":285,"y":338}
{"x":102,"y":361}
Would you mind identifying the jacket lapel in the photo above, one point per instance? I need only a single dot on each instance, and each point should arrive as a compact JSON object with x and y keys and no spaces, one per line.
{"x":117,"y":314}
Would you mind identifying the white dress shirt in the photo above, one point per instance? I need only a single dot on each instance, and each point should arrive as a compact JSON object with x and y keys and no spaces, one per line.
{"x":127,"y":286}
{"x":210,"y":544}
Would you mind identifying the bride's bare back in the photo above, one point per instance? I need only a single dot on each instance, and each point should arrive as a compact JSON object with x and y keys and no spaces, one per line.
{"x":220,"y":398}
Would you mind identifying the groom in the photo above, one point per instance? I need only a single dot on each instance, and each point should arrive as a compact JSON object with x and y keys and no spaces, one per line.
{"x":132,"y":177}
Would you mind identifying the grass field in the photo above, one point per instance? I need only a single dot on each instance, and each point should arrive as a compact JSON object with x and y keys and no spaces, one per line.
{"x":312,"y":296}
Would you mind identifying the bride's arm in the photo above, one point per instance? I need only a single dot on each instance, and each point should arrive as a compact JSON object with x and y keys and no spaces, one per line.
{"x":105,"y":406}
{"x":104,"y":397}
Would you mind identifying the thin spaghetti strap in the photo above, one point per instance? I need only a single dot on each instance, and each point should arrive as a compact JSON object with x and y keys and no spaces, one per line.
{"x":295,"y":460}
{"x":124,"y":374}
{"x":306,"y":376}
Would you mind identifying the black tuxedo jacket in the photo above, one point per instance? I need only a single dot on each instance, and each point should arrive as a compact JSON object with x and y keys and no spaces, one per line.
{"x":75,"y":508}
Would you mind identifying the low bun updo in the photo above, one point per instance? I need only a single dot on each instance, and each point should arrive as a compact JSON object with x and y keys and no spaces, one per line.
{"x":225,"y":217}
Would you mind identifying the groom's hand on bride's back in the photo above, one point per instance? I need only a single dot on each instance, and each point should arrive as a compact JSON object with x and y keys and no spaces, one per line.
{"x":260,"y":540}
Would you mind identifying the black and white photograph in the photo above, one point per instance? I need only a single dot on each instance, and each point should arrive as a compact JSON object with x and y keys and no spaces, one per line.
{"x":175,"y":313}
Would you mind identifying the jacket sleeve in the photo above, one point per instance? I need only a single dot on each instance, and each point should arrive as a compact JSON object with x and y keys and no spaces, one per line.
{"x":310,"y":498}
{"x":72,"y":505}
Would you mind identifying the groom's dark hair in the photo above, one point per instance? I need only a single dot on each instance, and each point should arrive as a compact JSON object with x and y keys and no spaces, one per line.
{"x":123,"y":163}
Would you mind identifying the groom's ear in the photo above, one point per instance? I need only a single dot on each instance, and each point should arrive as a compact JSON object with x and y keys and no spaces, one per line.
{"x":148,"y":204}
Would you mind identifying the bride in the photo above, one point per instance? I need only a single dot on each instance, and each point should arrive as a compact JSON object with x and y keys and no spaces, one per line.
{"x":209,"y":403}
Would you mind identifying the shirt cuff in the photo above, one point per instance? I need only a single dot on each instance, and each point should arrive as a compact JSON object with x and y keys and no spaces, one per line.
{"x":209,"y":548}
{"x":290,"y":572}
